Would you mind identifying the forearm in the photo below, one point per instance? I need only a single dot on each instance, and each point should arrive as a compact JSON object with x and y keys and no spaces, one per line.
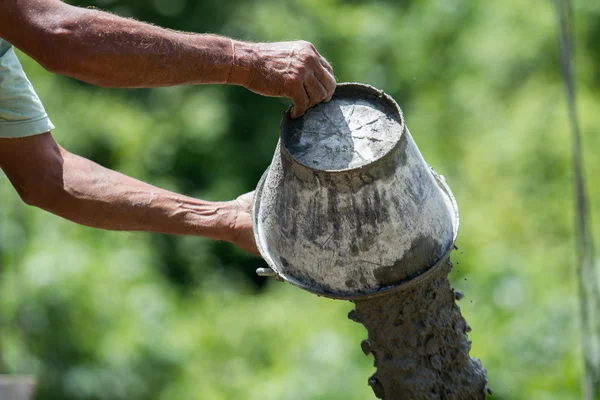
{"x":112,"y":51}
{"x":98,"y":197}
{"x":107,"y":50}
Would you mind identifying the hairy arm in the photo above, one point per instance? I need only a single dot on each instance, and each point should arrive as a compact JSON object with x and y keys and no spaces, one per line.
{"x":107,"y":50}
{"x":47,"y":176}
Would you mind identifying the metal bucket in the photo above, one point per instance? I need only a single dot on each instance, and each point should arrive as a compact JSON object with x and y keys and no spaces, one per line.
{"x":348,"y":207}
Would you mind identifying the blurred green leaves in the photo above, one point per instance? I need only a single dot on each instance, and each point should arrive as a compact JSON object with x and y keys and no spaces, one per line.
{"x":105,"y":315}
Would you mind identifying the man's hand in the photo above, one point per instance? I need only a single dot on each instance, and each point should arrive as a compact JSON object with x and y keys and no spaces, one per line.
{"x":242,"y":234}
{"x":285,"y":69}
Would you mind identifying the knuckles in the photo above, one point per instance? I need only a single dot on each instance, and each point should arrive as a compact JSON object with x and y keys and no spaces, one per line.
{"x":288,"y":70}
{"x":307,"y":52}
{"x":306,"y":45}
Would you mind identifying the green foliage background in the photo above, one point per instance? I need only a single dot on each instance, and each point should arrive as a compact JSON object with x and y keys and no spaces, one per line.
{"x":104,"y":315}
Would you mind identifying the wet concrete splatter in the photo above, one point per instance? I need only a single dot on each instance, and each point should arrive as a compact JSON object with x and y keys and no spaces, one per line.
{"x":419,"y":340}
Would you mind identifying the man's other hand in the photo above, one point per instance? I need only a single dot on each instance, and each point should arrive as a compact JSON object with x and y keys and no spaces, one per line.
{"x":284,"y":69}
{"x":242,"y":235}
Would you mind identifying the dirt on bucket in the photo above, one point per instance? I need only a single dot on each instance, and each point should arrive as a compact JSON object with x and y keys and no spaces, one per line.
{"x":420,"y":343}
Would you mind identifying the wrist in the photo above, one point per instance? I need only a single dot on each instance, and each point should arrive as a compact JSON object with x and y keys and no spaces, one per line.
{"x":225,"y":226}
{"x":213,"y":220}
{"x":245,"y":59}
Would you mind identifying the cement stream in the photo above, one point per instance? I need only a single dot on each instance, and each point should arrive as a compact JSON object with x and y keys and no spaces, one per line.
{"x":419,"y":340}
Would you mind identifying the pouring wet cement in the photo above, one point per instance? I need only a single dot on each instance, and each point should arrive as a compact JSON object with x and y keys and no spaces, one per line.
{"x":419,"y":340}
{"x":348,"y":209}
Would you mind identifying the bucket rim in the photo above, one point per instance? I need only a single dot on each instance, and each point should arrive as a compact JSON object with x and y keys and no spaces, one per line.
{"x":344,"y":86}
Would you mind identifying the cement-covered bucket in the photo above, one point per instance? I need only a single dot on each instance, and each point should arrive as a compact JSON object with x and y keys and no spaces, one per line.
{"x":348,"y":207}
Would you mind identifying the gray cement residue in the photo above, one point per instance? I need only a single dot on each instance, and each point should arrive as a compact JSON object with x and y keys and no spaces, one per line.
{"x":419,"y":340}
{"x":424,"y":252}
{"x":343,"y":134}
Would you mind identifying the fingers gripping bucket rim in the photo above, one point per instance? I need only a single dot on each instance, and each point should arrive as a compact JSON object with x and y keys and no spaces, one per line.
{"x":372,"y":214}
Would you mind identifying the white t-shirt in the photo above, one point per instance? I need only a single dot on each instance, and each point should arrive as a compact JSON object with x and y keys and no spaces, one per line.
{"x":21,"y":111}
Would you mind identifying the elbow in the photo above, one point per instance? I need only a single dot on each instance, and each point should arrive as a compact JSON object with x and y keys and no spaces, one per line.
{"x":48,"y":38}
{"x":51,"y":60}
{"x":71,"y":54}
{"x":61,"y":47}
{"x":43,"y":195}
{"x":42,"y":188}
{"x":36,"y":168}
{"x":71,"y":45}
{"x":59,"y":54}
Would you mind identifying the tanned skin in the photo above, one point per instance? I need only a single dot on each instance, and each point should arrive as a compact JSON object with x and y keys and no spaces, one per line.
{"x":110,"y":51}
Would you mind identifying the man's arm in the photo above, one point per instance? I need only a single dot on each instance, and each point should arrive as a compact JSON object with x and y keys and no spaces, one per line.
{"x":107,"y":50}
{"x":47,"y":176}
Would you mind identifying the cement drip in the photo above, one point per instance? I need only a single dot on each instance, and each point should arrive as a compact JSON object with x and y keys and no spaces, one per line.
{"x":419,"y":340}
